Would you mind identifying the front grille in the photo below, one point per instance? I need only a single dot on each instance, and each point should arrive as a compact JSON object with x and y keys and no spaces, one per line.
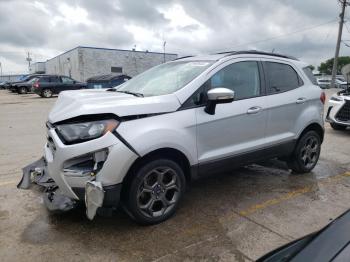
{"x":344,"y":112}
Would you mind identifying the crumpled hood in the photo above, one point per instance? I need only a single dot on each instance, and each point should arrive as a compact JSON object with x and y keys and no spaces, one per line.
{"x":87,"y":102}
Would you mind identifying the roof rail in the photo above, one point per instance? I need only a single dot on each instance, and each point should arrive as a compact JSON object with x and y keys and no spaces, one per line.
{"x":183,"y":57}
{"x":255,"y":52}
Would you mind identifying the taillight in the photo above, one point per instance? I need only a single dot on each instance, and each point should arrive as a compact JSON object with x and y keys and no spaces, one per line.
{"x":323,"y":97}
{"x":36,"y":84}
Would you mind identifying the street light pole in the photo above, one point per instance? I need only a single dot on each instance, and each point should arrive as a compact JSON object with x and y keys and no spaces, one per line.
{"x":344,"y":3}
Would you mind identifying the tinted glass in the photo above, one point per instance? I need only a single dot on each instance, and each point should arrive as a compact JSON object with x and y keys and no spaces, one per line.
{"x":44,"y":79}
{"x":281,"y":77}
{"x":116,"y":69}
{"x":242,"y":77}
{"x":310,"y":75}
{"x":66,"y":80}
{"x":54,"y":79}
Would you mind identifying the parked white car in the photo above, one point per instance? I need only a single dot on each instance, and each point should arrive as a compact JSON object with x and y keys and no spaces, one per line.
{"x":338,"y":113}
{"x":141,"y":143}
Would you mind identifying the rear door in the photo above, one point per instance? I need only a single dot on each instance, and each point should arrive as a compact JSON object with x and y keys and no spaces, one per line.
{"x":285,"y":100}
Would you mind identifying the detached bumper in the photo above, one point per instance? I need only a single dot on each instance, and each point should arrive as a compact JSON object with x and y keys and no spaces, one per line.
{"x":94,"y":194}
{"x":36,"y":173}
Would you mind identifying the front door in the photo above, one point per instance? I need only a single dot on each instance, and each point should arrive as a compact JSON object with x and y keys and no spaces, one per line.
{"x":238,"y":127}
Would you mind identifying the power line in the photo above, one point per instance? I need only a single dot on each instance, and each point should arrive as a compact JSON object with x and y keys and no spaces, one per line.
{"x":287,"y":34}
{"x":344,"y":4}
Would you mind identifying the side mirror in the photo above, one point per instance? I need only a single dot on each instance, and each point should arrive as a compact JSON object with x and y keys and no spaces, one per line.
{"x":219,"y":95}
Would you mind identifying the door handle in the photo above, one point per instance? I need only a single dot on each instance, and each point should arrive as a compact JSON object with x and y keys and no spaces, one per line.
{"x":254,"y":110}
{"x":301,"y":100}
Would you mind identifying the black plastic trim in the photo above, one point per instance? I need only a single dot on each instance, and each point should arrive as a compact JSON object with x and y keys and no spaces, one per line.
{"x":234,"y":161}
{"x":125,"y":142}
{"x":256,"y":52}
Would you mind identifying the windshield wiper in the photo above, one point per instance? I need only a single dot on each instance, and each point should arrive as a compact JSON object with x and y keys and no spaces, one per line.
{"x":130,"y":93}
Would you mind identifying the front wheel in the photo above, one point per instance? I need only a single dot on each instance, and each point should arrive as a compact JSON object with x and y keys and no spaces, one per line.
{"x":47,"y":93}
{"x":337,"y":127}
{"x":155,"y":191}
{"x":306,"y":153}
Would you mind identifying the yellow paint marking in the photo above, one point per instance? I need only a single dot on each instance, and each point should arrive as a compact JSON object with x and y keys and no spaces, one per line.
{"x":289,"y":195}
{"x":275,"y":201}
{"x":8,"y":183}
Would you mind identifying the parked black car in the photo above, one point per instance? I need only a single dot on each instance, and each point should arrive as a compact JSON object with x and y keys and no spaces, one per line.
{"x":25,"y":87}
{"x":331,"y":243}
{"x":21,"y":86}
{"x":106,"y":81}
{"x":4,"y":84}
{"x":48,"y":85}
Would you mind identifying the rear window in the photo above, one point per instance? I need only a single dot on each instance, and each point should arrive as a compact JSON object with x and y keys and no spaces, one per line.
{"x":310,"y":75}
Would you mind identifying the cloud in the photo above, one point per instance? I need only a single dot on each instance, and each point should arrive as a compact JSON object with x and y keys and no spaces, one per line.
{"x":46,"y":28}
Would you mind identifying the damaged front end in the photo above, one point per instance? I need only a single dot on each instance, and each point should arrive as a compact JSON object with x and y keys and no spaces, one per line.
{"x":37,"y":173}
{"x":55,"y":200}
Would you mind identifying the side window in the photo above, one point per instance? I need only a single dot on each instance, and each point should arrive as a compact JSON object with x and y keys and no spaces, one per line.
{"x":44,"y":79}
{"x":67,"y":80}
{"x":308,"y":72}
{"x":53,"y":79}
{"x":242,"y":77}
{"x":281,"y":78}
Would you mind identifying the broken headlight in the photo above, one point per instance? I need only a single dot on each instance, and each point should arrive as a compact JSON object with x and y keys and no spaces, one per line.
{"x":80,"y":132}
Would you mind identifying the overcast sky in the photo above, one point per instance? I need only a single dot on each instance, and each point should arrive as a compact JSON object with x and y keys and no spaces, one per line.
{"x":306,"y":29}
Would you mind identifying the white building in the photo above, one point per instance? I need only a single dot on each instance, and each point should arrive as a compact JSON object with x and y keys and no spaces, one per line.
{"x":82,"y":62}
{"x":37,"y":68}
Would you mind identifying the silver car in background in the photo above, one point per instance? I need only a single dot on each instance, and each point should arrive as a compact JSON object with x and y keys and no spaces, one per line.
{"x":141,"y":143}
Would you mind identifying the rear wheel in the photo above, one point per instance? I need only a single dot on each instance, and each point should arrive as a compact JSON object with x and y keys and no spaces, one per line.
{"x":22,"y":90}
{"x":46,"y":93}
{"x":306,"y":153}
{"x":155,"y":191}
{"x":337,"y":126}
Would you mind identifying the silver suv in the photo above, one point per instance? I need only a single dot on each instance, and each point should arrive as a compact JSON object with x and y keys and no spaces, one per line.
{"x":141,"y":143}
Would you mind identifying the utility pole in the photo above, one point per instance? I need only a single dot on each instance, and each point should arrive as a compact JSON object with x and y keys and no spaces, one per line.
{"x":344,"y":3}
{"x":1,"y":71}
{"x":164,"y":43}
{"x":29,"y":59}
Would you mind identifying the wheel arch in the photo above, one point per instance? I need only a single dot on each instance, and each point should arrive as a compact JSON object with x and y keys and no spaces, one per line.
{"x":168,"y":153}
{"x":315,"y":127}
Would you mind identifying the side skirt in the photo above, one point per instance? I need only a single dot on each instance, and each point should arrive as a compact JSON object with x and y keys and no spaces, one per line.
{"x":231,"y":162}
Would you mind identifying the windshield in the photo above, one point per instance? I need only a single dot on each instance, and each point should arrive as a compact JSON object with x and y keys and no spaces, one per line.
{"x":165,"y":79}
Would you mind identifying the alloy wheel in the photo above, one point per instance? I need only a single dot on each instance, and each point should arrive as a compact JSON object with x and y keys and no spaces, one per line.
{"x":47,"y":93}
{"x":159,"y":192}
{"x":309,"y":152}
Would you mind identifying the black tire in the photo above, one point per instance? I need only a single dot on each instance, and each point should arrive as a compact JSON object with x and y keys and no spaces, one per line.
{"x":46,"y":93}
{"x":150,"y":202}
{"x":22,"y":90}
{"x":306,"y":153}
{"x":337,"y":127}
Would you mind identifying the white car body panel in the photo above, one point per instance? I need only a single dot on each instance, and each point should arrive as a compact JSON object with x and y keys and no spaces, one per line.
{"x":86,"y":102}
